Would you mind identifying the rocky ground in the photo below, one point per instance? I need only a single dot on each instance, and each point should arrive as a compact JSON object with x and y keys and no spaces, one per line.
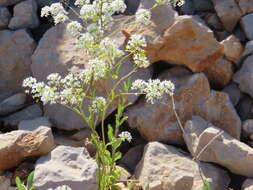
{"x":205,"y":47}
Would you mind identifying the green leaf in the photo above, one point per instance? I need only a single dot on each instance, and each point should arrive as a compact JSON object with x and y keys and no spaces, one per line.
{"x":19,"y":184}
{"x":30,"y":181}
{"x":206,"y":185}
{"x":116,"y":143}
{"x":110,"y":133}
{"x":117,"y":156}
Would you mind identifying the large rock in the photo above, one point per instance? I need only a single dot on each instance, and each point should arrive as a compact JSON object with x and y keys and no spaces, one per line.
{"x":57,"y":53}
{"x":25,"y":15}
{"x":16,"y":48}
{"x":244,"y":76}
{"x":18,"y":145}
{"x":233,"y":92}
{"x":246,"y":6}
{"x":12,"y":104}
{"x":33,"y":124}
{"x":223,"y":149}
{"x":181,"y":40}
{"x":201,"y":5}
{"x":171,"y":169}
{"x":66,"y":166}
{"x":246,"y":23}
{"x":8,"y":2}
{"x":5,"y":16}
{"x":228,"y":12}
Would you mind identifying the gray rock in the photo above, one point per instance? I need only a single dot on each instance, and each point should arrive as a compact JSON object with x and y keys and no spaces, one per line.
{"x":28,"y":113}
{"x":224,"y":149}
{"x":203,"y":5}
{"x":213,"y":21}
{"x":12,"y":104}
{"x":18,"y":145}
{"x":42,"y":3}
{"x":16,"y":50}
{"x":233,"y":92}
{"x":5,"y":16}
{"x":132,"y":6}
{"x":25,"y":15}
{"x":248,"y":48}
{"x":4,"y":3}
{"x":66,"y":166}
{"x":187,"y":8}
{"x":81,"y":135}
{"x":5,"y":183}
{"x":244,"y":107}
{"x":244,"y":76}
{"x":246,"y":24}
{"x":246,"y":6}
{"x":228,"y":12}
{"x":173,"y":169}
{"x":31,"y":125}
{"x":247,"y":128}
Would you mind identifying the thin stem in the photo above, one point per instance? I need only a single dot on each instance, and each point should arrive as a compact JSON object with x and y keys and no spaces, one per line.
{"x":175,"y":113}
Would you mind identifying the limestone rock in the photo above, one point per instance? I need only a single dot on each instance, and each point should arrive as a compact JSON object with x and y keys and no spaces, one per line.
{"x":224,"y":149}
{"x":244,"y":76}
{"x":57,"y":53}
{"x":170,"y":168}
{"x":5,"y":16}
{"x":18,"y":145}
{"x":180,"y":40}
{"x":247,"y":184}
{"x":16,"y":48}
{"x":246,"y":23}
{"x":33,"y":124}
{"x":25,"y":15}
{"x":232,"y":48}
{"x":12,"y":104}
{"x":66,"y":166}
{"x":228,"y":12}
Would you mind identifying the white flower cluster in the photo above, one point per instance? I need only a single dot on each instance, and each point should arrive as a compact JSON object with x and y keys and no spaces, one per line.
{"x":135,"y":47}
{"x":125,"y":135}
{"x":98,"y":104}
{"x":153,"y":89}
{"x":143,"y":16}
{"x":74,"y":28}
{"x":57,"y":11}
{"x":63,"y":187}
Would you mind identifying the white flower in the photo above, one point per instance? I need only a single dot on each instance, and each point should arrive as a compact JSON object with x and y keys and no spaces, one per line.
{"x":153,"y":89}
{"x":118,"y":6}
{"x":57,"y":8}
{"x":125,"y":135}
{"x":109,"y":50}
{"x":63,"y":187}
{"x":81,"y":2}
{"x":57,"y":11}
{"x":74,"y":28}
{"x":143,"y":16}
{"x":140,"y":59}
{"x":60,"y":18}
{"x":88,"y":12}
{"x":45,"y":11}
{"x":98,"y":104}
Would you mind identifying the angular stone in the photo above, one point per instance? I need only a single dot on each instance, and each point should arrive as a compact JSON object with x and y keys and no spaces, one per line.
{"x":174,"y":170}
{"x":157,"y":122}
{"x":28,"y":113}
{"x":233,"y":92}
{"x":5,"y":183}
{"x":244,"y":107}
{"x":201,"y":5}
{"x":219,"y":73}
{"x":30,"y":125}
{"x":66,"y":166}
{"x":57,"y":53}
{"x":5,"y":16}
{"x":12,"y":104}
{"x":223,"y":149}
{"x":228,"y":12}
{"x":247,"y":128}
{"x":245,"y":75}
{"x":4,"y":3}
{"x":25,"y":15}
{"x":18,"y":145}
{"x":213,"y":21}
{"x":14,"y":67}
{"x":246,"y":6}
{"x":248,"y":48}
{"x":81,"y":135}
{"x":180,"y":40}
{"x":218,"y":109}
{"x":187,"y":8}
{"x":43,"y":3}
{"x":246,"y":24}
{"x":247,"y":184}
{"x":233,"y":48}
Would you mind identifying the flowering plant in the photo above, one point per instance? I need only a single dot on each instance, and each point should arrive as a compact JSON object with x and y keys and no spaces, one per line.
{"x":105,"y":59}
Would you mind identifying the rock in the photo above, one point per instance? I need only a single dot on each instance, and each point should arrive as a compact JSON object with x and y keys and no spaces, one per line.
{"x":247,"y":184}
{"x":233,"y":92}
{"x":167,"y":167}
{"x":246,"y":6}
{"x":12,"y":104}
{"x":244,"y":107}
{"x":132,"y":7}
{"x":247,"y":128}
{"x":5,"y":183}
{"x":4,"y":3}
{"x":18,"y":145}
{"x":180,"y":40}
{"x":201,"y":5}
{"x":14,"y":67}
{"x":5,"y":16}
{"x":239,"y":33}
{"x":218,"y":109}
{"x":43,"y":3}
{"x":132,"y":157}
{"x":213,"y":21}
{"x":23,"y":170}
{"x":57,"y":53}
{"x":187,"y":8}
{"x":28,"y":113}
{"x":248,"y":48}
{"x":30,"y":125}
{"x":66,"y":166}
{"x":221,"y":35}
{"x":25,"y":15}
{"x":81,"y":135}
{"x":219,"y":73}
{"x":125,"y":175}
{"x":224,"y":149}
{"x":228,"y":12}
{"x":246,"y":24}
{"x":163,"y":126}
{"x":233,"y":48}
{"x":244,"y":76}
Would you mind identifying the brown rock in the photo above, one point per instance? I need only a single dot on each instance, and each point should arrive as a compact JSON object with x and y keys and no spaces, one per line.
{"x":169,"y":168}
{"x":224,"y":149}
{"x":18,"y":145}
{"x":246,"y":6}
